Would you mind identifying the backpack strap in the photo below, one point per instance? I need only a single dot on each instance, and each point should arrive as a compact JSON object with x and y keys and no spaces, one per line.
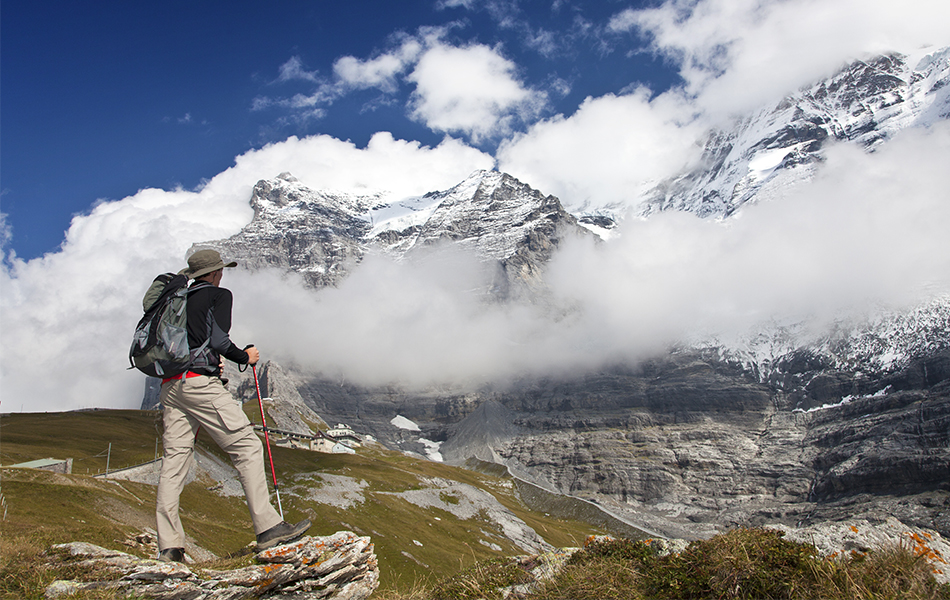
{"x":201,"y":351}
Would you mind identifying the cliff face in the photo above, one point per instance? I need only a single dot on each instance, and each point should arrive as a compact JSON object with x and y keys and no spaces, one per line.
{"x":700,"y":462}
{"x":687,"y":446}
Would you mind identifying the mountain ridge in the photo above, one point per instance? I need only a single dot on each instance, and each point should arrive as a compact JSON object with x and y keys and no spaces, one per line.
{"x":778,"y":146}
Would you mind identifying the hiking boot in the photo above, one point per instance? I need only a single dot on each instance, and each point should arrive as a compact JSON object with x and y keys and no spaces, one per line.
{"x":172,"y":555}
{"x":282,"y":533}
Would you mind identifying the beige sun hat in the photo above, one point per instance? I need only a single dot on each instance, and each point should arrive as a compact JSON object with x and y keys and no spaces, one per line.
{"x":203,"y":262}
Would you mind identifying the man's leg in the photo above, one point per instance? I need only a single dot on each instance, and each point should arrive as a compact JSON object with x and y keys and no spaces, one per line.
{"x":178,"y":442}
{"x":223,"y":418}
{"x":247,"y":455}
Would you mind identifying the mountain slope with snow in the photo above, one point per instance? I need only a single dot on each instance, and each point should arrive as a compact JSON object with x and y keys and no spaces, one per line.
{"x":324,"y":235}
{"x":779,"y":146}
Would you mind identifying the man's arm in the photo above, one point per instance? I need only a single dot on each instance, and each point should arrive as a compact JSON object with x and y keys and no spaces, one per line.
{"x":220,"y":328}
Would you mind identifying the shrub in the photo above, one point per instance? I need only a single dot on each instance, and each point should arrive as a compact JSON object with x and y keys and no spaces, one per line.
{"x":743,"y":563}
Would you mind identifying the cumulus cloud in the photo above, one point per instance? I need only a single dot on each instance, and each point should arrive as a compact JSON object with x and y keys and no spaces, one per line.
{"x":473,"y":90}
{"x":608,"y":152}
{"x":67,"y":317}
{"x":380,"y":71}
{"x":737,"y":55}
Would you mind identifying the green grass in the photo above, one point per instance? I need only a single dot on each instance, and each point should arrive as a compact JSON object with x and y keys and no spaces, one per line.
{"x":83,"y":436}
{"x":45,"y":508}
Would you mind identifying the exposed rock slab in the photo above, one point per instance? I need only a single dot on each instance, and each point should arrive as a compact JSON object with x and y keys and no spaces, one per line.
{"x":467,"y":502}
{"x":342,"y":566}
{"x":859,"y":537}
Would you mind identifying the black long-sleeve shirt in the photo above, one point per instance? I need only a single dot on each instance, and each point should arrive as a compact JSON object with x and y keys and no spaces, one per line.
{"x":218,"y":301}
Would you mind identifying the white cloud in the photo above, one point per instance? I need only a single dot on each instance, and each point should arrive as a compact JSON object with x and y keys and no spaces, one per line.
{"x":738,"y":54}
{"x":608,"y":152}
{"x":467,"y":4}
{"x":6,"y":233}
{"x":293,"y":70}
{"x":869,"y":228}
{"x":67,"y":317}
{"x":472,"y":90}
{"x":378,"y":72}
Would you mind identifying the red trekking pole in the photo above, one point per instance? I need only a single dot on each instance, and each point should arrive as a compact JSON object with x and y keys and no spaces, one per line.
{"x":270,"y":456}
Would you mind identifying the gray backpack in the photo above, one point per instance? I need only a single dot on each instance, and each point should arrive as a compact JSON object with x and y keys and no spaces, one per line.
{"x":160,"y":343}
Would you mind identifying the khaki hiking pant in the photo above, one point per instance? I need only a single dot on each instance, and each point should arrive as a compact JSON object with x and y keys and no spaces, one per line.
{"x":190,"y":403}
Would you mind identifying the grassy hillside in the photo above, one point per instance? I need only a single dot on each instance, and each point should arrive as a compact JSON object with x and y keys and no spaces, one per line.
{"x":413,"y":543}
{"x":424,"y":552}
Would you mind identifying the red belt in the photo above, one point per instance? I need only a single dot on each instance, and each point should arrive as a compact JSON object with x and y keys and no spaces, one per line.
{"x":186,"y":375}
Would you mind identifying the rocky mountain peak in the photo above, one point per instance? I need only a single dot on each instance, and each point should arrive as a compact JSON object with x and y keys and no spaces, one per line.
{"x":323,"y":234}
{"x":865,"y":103}
{"x":316,"y":233}
{"x":492,"y":214}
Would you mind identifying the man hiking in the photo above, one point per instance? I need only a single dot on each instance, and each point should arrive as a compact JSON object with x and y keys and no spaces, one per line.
{"x":198,"y":399}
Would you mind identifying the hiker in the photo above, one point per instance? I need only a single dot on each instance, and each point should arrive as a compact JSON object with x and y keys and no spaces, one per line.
{"x":198,"y":399}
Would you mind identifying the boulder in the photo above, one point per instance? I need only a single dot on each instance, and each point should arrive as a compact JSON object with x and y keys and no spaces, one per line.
{"x":341,"y":566}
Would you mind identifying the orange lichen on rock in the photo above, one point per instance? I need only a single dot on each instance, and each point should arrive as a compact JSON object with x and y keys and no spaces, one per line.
{"x":921,"y":548}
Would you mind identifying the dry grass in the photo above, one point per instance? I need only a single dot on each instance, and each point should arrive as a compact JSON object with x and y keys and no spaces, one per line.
{"x":741,"y":564}
{"x":28,"y":569}
{"x":481,"y":580}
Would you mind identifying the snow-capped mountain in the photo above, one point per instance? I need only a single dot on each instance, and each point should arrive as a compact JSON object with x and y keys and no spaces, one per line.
{"x":490,"y":213}
{"x":323,"y":234}
{"x":877,"y":343}
{"x":781,"y":145}
{"x":316,"y":233}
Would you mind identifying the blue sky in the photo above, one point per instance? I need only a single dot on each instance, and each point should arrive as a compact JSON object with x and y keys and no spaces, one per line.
{"x":131,"y":131}
{"x":101,"y":99}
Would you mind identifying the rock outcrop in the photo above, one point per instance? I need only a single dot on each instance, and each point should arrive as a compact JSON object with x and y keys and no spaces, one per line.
{"x":341,"y":566}
{"x":858,"y":537}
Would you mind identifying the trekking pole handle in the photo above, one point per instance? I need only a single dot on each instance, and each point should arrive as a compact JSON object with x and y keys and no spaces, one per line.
{"x":248,"y":347}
